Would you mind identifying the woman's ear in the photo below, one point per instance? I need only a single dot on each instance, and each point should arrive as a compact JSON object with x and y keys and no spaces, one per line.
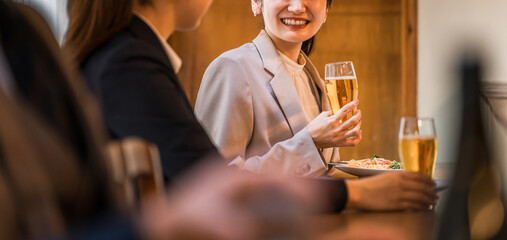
{"x":256,"y":7}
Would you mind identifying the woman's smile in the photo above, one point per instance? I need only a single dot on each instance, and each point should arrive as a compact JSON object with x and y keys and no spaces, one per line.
{"x":291,"y":22}
{"x":295,"y":22}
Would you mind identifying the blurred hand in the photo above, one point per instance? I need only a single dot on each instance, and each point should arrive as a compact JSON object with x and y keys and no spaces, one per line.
{"x":220,"y":203}
{"x":392,"y":191}
{"x":327,"y":131}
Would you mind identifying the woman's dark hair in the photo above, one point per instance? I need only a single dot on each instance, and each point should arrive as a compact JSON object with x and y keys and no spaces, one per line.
{"x":93,"y":22}
{"x":307,"y":46}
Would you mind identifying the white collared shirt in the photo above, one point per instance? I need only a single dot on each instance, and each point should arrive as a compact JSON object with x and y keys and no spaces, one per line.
{"x":171,"y":54}
{"x":302,"y":84}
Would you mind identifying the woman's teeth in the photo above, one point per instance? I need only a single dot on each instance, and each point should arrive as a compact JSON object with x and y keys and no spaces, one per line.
{"x":293,"y":22}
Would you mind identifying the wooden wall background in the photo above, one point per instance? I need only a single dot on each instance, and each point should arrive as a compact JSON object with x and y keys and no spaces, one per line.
{"x":380,"y":36}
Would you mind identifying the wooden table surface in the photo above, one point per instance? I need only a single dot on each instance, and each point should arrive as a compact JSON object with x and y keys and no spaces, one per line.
{"x":352,"y":224}
{"x":377,"y":225}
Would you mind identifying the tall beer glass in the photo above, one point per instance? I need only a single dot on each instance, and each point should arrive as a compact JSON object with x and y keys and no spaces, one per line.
{"x":418,"y":145}
{"x":341,"y":85}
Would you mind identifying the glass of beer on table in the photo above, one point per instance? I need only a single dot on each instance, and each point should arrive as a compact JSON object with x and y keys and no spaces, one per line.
{"x":418,"y":144}
{"x":341,"y":85}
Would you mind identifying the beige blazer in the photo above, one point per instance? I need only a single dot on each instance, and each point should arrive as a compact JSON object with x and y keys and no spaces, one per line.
{"x":249,"y":106}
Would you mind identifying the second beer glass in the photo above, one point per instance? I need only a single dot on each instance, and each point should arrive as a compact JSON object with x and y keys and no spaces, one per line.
{"x":341,"y":85}
{"x":418,"y":145}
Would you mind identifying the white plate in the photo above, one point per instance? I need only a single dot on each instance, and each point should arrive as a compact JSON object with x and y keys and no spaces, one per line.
{"x":362,"y":172}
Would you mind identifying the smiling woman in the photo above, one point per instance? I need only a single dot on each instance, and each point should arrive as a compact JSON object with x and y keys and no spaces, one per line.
{"x":297,"y":22}
{"x":273,"y":98}
{"x":379,"y":36}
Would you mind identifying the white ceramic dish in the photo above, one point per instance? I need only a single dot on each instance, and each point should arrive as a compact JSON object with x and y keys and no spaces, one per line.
{"x":364,"y":172}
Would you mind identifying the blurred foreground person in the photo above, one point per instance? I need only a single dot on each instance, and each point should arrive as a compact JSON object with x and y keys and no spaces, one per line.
{"x":130,"y":67}
{"x":54,"y":182}
{"x":223,"y":203}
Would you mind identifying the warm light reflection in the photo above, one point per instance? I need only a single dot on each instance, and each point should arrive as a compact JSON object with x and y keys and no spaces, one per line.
{"x":486,"y":210}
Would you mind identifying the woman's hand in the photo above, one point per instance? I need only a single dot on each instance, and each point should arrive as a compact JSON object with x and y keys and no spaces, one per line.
{"x":392,"y":191}
{"x":327,"y":131}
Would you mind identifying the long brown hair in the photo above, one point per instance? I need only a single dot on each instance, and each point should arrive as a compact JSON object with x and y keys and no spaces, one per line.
{"x":93,"y":22}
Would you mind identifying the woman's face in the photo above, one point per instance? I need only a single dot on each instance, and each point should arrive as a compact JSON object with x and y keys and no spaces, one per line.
{"x":292,"y":21}
{"x":189,"y":13}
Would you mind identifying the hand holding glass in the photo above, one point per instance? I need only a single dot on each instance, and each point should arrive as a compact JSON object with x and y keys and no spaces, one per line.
{"x":418,"y":145}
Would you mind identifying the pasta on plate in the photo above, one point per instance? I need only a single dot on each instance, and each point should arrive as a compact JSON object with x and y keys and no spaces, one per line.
{"x":375,"y":162}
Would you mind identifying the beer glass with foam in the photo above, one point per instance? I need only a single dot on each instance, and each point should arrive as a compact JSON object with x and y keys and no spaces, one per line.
{"x":341,"y":85}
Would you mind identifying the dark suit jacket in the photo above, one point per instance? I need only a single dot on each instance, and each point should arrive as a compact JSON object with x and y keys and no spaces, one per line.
{"x":140,"y":96}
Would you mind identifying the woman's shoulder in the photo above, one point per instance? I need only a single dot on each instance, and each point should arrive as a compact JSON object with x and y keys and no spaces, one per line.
{"x":119,"y":54}
{"x":243,"y":51}
{"x":245,"y":55}
{"x":122,"y":46}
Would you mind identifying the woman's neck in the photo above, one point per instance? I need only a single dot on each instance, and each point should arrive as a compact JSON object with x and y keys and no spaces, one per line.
{"x":288,"y":49}
{"x":160,"y":17}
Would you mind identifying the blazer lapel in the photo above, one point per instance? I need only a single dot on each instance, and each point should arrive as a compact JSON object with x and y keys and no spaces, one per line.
{"x":314,"y":75}
{"x":328,"y":154}
{"x":283,"y":88}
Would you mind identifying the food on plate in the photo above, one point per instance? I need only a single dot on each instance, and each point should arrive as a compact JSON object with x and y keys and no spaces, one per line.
{"x":375,"y":162}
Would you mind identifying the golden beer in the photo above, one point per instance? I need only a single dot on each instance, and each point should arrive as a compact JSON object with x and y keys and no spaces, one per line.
{"x":341,"y":91}
{"x":418,"y":154}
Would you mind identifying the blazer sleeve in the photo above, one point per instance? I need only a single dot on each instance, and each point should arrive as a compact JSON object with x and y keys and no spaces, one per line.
{"x":225,"y":109}
{"x":141,"y":96}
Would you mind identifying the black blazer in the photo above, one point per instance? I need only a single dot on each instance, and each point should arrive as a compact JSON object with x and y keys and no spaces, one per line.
{"x":140,"y":95}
